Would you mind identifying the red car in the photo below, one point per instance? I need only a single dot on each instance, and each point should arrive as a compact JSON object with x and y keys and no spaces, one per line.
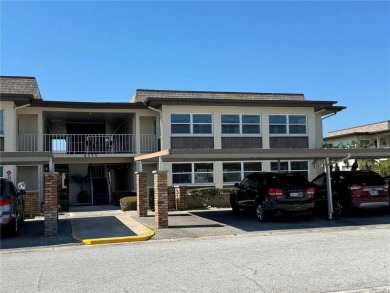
{"x":352,"y":190}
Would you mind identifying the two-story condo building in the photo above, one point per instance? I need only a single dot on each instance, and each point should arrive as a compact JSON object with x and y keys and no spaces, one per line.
{"x":215,"y":136}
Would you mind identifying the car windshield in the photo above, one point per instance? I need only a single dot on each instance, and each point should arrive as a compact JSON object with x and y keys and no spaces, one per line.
{"x":366,"y":179}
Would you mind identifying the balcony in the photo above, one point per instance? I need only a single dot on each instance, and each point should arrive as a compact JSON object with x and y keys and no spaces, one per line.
{"x":74,"y":144}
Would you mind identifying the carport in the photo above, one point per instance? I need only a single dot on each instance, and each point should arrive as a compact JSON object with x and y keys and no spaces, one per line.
{"x":51,"y":179}
{"x":327,"y":155}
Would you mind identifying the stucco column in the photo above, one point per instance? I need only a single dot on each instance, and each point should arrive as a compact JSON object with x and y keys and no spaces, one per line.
{"x":142,"y":193}
{"x":51,"y":203}
{"x":161,"y":199}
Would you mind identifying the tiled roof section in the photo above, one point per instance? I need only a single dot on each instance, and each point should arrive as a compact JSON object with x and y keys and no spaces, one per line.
{"x":19,"y":85}
{"x":141,"y":95}
{"x":375,"y":127}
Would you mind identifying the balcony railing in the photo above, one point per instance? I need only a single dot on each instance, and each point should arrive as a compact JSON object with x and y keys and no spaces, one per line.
{"x":88,"y":143}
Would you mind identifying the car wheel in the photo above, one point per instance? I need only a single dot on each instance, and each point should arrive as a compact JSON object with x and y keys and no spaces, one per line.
{"x":261,"y":213}
{"x":235,"y":208}
{"x":21,"y":219}
{"x":13,"y":229}
{"x":338,"y":208}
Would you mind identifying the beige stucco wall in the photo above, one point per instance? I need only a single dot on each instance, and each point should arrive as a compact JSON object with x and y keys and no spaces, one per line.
{"x":314,"y":130}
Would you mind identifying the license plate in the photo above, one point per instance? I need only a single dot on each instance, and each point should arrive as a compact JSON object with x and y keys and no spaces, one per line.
{"x":294,"y":194}
{"x":373,"y":192}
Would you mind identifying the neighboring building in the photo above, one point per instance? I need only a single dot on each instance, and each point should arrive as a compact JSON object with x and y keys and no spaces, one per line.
{"x":375,"y":135}
{"x":101,"y":141}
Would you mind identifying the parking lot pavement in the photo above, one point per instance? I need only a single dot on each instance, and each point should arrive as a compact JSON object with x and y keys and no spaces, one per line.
{"x":108,"y":224}
{"x":220,"y":222}
{"x":31,"y":235}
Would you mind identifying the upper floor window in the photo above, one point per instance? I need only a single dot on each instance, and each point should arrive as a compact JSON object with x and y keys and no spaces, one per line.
{"x":240,"y":124}
{"x":191,"y":123}
{"x":287,"y":124}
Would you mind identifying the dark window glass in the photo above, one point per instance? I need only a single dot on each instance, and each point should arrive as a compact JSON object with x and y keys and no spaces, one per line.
{"x":180,"y":168}
{"x":202,"y":128}
{"x":230,"y":119}
{"x":180,"y":118}
{"x":201,"y":118}
{"x":180,"y":128}
{"x":277,"y":119}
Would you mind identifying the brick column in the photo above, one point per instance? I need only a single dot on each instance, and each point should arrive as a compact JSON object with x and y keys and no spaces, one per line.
{"x":51,"y":203}
{"x":171,"y":198}
{"x":181,"y":197}
{"x":161,"y":199}
{"x":142,"y":193}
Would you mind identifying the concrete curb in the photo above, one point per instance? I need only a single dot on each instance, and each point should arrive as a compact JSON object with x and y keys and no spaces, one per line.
{"x":150,"y":234}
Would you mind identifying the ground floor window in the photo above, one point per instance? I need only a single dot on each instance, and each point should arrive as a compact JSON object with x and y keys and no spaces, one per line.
{"x":301,"y":167}
{"x":234,"y":172}
{"x":193,"y":173}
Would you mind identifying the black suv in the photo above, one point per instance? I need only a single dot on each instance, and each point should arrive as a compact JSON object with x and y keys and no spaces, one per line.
{"x":11,"y":206}
{"x":352,"y":190}
{"x":271,"y":193}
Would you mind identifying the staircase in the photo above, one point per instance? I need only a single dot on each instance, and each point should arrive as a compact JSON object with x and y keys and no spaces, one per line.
{"x":99,"y":185}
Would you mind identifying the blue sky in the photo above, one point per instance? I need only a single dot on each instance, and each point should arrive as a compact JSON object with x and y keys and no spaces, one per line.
{"x":104,"y":51}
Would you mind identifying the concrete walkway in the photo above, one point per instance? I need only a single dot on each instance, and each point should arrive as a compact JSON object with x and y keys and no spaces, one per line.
{"x":106,"y":224}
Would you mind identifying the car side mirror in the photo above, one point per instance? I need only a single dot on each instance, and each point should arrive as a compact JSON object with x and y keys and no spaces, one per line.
{"x":22,"y":188}
{"x":22,"y":192}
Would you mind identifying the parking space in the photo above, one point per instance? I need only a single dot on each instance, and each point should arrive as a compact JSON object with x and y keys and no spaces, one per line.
{"x":196,"y":224}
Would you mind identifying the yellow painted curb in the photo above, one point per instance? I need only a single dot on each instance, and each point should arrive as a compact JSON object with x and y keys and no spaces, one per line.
{"x":115,"y":239}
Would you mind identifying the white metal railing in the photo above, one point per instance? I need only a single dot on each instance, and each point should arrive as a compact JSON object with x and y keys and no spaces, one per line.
{"x":89,"y":143}
{"x":149,"y":143}
{"x":27,"y":143}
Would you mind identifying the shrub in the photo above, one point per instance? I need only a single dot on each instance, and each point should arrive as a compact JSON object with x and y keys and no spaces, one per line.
{"x":212,"y":197}
{"x":128,"y":203}
{"x":116,"y":196}
{"x":63,"y":205}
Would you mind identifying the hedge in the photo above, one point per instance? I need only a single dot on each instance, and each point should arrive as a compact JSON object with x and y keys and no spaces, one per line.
{"x":128,"y":203}
{"x":212,"y":197}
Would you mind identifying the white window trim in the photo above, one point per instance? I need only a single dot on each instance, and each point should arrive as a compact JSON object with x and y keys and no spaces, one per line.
{"x":240,"y":124}
{"x":193,"y":174}
{"x":287,"y":126}
{"x":191,"y":123}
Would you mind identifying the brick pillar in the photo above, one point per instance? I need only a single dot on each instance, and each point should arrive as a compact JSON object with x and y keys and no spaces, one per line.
{"x":171,"y":198}
{"x":181,"y":197}
{"x":142,"y":193}
{"x":161,"y":199}
{"x":51,"y":203}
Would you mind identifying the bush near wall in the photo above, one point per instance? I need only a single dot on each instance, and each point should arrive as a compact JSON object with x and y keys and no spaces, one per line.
{"x":128,"y":203}
{"x":212,"y":197}
{"x":118,"y":195}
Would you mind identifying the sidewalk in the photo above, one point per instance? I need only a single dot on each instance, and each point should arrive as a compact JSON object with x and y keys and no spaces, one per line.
{"x":106,"y":224}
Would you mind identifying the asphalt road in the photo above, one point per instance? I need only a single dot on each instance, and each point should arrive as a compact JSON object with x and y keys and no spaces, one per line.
{"x":319,"y":260}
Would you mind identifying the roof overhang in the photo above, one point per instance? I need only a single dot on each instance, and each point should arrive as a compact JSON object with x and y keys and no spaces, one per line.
{"x":18,"y":99}
{"x":192,"y":155}
{"x":25,"y":158}
{"x":323,"y":107}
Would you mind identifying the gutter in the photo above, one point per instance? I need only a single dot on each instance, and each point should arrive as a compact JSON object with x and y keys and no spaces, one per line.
{"x":161,"y":130}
